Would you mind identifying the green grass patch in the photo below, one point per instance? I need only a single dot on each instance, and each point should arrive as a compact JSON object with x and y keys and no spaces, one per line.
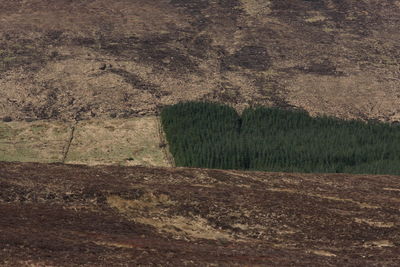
{"x":269,"y":139}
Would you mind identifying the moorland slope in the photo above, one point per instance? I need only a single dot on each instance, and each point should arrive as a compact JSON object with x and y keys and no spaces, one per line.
{"x":76,"y":60}
{"x":62,"y":59}
{"x":66,"y":215}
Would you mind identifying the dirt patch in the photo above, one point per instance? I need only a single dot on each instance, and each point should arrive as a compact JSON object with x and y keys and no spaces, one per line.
{"x":150,"y":209}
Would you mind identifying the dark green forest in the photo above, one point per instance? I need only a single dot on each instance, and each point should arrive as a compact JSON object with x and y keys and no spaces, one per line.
{"x":210,"y":135}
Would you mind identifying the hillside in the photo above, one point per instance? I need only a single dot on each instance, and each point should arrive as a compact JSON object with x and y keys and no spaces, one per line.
{"x":83,"y":82}
{"x":70,"y":215}
{"x":62,"y":59}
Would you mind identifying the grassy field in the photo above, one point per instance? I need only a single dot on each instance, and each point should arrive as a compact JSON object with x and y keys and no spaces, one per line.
{"x":119,"y":141}
{"x":114,"y":141}
{"x":39,"y":141}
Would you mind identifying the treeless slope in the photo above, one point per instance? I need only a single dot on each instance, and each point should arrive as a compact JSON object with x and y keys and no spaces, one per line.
{"x":65,"y":215}
{"x":79,"y":59}
{"x":131,"y":141}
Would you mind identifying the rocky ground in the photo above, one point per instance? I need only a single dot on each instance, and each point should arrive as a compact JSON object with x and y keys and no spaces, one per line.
{"x":70,"y":215}
{"x":74,"y":60}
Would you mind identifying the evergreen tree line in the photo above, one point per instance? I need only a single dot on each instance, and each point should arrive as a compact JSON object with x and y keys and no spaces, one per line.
{"x":213,"y":135}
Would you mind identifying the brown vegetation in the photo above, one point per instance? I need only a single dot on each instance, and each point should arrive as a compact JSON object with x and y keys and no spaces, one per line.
{"x":65,"y":215}
{"x":82,"y":59}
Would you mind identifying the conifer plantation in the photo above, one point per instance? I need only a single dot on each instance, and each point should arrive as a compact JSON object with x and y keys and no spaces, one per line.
{"x":212,"y":135}
{"x":202,"y":134}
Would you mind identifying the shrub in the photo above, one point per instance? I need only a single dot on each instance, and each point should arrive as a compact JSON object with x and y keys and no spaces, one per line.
{"x":7,"y":119}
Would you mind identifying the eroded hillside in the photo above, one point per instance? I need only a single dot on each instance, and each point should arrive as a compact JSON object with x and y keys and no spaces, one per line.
{"x":65,"y":215}
{"x":64,"y":59}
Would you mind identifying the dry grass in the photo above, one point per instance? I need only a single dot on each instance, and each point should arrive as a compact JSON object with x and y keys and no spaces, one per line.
{"x":119,"y":141}
{"x":161,"y":54}
{"x":315,"y":17}
{"x":256,"y":7}
{"x":40,"y":141}
{"x":317,"y":94}
{"x":331,"y":198}
{"x":151,"y":209}
{"x":375,"y":223}
{"x":113,"y":141}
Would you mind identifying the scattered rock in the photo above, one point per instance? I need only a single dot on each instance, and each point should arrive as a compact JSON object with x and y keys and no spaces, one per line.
{"x":103,"y":66}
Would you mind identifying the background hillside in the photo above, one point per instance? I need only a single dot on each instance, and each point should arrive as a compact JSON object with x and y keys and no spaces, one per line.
{"x":65,"y":59}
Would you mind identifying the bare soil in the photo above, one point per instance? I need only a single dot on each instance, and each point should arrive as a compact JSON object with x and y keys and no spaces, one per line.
{"x":74,"y":60}
{"x":70,"y":215}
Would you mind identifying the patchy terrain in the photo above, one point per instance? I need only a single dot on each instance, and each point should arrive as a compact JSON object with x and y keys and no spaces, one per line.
{"x":66,"y":215}
{"x":64,"y":62}
{"x":75,"y":60}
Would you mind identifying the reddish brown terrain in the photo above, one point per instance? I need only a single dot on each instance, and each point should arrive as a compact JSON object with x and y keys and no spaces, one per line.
{"x":70,"y":215}
{"x":64,"y":59}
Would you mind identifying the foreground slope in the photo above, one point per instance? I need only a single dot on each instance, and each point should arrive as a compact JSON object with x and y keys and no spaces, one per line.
{"x":80,"y":59}
{"x":63,"y":215}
